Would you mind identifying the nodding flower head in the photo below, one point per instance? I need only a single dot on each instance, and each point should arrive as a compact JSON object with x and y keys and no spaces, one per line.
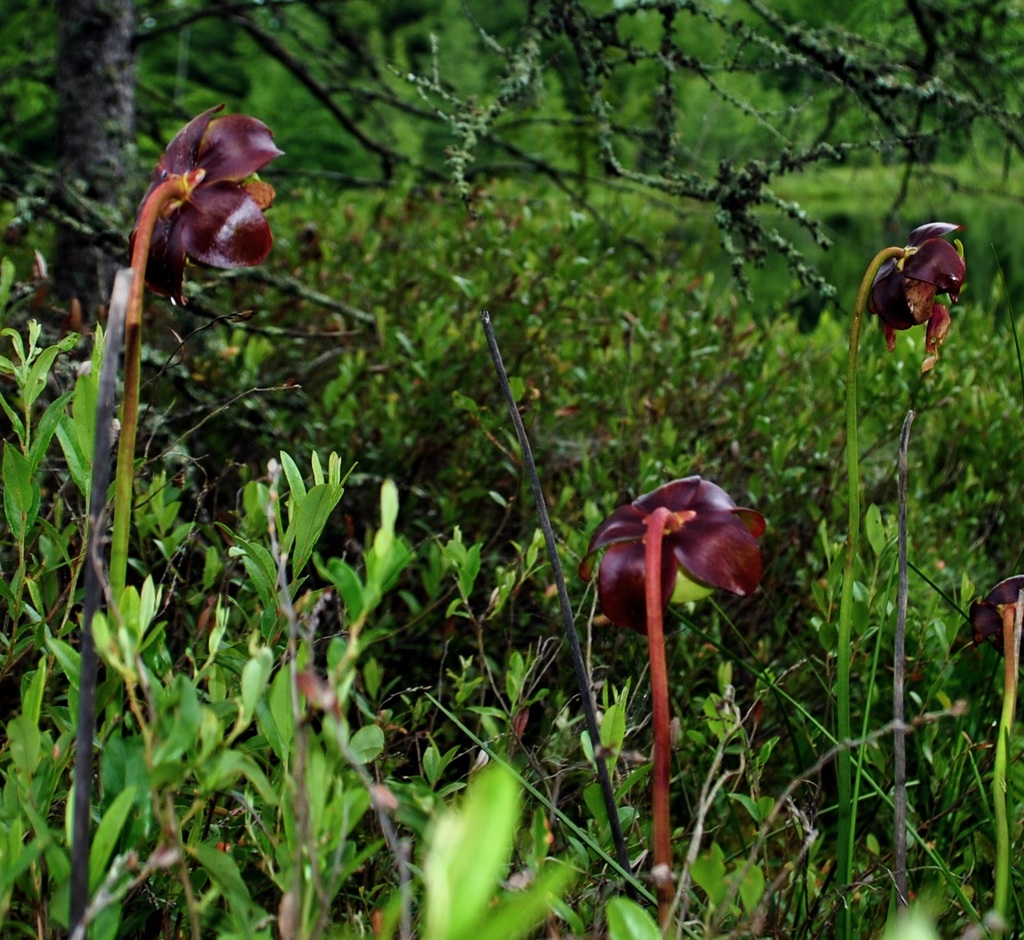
{"x":217,"y":218}
{"x":987,"y":614}
{"x":708,"y":543}
{"x":904,"y":289}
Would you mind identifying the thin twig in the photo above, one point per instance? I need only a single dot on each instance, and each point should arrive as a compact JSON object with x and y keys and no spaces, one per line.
{"x":95,"y":587}
{"x":899,"y":669}
{"x":582,"y":679}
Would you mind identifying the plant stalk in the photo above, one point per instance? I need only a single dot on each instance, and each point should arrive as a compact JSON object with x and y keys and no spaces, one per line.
{"x":94,"y":584}
{"x":847,"y":811}
{"x":579,"y":666}
{"x":170,"y":189}
{"x":899,"y":668}
{"x":662,"y":834}
{"x":1012,"y":614}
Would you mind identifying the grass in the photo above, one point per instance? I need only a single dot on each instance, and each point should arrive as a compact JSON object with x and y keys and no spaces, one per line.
{"x":629,"y":370}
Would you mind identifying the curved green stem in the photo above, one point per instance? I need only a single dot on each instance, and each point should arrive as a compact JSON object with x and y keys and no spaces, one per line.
{"x":847,"y":811}
{"x":172,"y":188}
{"x":662,"y":834}
{"x":1011,"y":652}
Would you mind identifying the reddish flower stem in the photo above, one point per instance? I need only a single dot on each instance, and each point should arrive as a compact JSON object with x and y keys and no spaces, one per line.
{"x":172,"y":188}
{"x":656,"y":524}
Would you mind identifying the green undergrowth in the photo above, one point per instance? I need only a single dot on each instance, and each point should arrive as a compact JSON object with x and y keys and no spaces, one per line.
{"x":340,"y":610}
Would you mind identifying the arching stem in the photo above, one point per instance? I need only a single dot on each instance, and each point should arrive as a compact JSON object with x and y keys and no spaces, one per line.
{"x":173,"y":188}
{"x":847,"y":811}
{"x":662,"y":833}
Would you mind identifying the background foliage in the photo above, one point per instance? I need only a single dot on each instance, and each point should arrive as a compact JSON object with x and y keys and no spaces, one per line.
{"x":666,"y":208}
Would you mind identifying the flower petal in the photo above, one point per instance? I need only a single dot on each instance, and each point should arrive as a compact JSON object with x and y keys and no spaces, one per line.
{"x":235,"y":146}
{"x":920,"y":298}
{"x":223,"y":227}
{"x":937,"y":262}
{"x":691,"y":493}
{"x":719,"y":549}
{"x":626,"y":524}
{"x":165,"y":268}
{"x":182,"y":153}
{"x":922,"y":233}
{"x":888,"y":301}
{"x":753,"y":520}
{"x":621,"y":585}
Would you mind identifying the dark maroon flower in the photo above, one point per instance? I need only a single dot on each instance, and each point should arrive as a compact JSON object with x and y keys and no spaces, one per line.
{"x":904,"y":289}
{"x":218,"y":218}
{"x":987,"y":613}
{"x":710,"y":543}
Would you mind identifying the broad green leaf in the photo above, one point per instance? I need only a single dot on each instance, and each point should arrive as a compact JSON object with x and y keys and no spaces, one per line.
{"x":367,"y":743}
{"x":107,"y":834}
{"x":221,"y":868}
{"x":227,"y":767}
{"x":751,"y":888}
{"x":346,"y":582}
{"x":613,"y":727}
{"x":33,"y":700}
{"x":874,"y":529}
{"x":67,"y":657}
{"x":255,"y":676}
{"x":708,"y":872}
{"x":44,"y":429}
{"x":24,"y":741}
{"x":468,"y":849}
{"x":21,"y":493}
{"x":627,"y":920}
{"x":6,"y":281}
{"x":308,"y":522}
{"x":520,"y":913}
{"x":296,"y":486}
{"x":385,"y":535}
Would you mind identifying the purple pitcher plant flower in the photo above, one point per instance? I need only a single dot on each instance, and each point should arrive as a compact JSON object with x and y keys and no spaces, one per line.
{"x":708,"y":543}
{"x":904,"y":289}
{"x":987,"y":613}
{"x":675,"y":544}
{"x":218,"y":218}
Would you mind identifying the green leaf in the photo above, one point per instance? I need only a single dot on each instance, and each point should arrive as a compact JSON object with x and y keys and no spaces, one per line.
{"x":367,"y":743}
{"x":613,"y":727}
{"x":67,"y":657}
{"x":468,"y":850}
{"x":874,"y":529}
{"x":33,"y":700}
{"x":293,"y":475}
{"x":752,"y":888}
{"x":388,"y":517}
{"x":222,"y":773}
{"x":346,"y":582}
{"x":521,"y":912}
{"x":708,"y":872}
{"x":307,"y":523}
{"x":627,"y":920}
{"x":223,"y":871}
{"x":44,"y":429}
{"x":107,"y":834}
{"x":6,"y":281}
{"x":21,"y":493}
{"x":24,"y":742}
{"x":255,"y":676}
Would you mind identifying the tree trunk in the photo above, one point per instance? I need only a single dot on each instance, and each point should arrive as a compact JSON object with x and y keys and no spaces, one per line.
{"x":95,"y":127}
